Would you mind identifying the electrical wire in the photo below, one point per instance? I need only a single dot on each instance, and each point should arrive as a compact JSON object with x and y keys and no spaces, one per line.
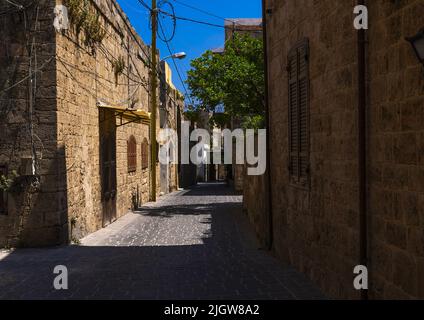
{"x":17,"y":5}
{"x":207,"y":23}
{"x":173,"y":15}
{"x":201,"y":10}
{"x":130,"y":5}
{"x":144,"y":4}
{"x":174,"y":21}
{"x":27,"y":77}
{"x":176,"y":65}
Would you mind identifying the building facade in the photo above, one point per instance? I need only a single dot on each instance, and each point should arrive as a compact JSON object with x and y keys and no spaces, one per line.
{"x":75,"y":121}
{"x":347,"y":190}
{"x":171,"y":114}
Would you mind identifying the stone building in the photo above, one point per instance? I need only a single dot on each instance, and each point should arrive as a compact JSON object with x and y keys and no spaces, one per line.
{"x":252,"y":27}
{"x":346,"y":155}
{"x":187,"y":173}
{"x":74,"y":120}
{"x":171,"y":114}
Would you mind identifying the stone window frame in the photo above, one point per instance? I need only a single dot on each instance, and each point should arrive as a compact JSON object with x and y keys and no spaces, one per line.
{"x":299,"y":114}
{"x":3,"y":193}
{"x":132,"y":154}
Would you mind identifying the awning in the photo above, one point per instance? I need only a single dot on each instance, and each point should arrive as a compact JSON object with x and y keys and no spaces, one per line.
{"x":126,"y":115}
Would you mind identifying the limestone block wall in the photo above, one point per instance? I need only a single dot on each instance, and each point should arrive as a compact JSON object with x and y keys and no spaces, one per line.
{"x":255,"y":206}
{"x":34,"y":216}
{"x":396,"y":140}
{"x":171,"y":108}
{"x":85,"y":76}
{"x":316,"y":229}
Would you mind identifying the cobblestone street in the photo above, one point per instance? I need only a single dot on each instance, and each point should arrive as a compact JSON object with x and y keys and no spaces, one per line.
{"x":193,"y":244}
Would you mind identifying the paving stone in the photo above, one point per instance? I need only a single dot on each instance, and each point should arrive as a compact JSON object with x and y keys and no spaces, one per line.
{"x":194,"y":244}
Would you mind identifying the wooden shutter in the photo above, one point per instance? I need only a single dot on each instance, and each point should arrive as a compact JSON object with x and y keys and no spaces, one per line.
{"x":3,"y":194}
{"x":145,"y":155}
{"x":132,"y":154}
{"x":298,"y":92}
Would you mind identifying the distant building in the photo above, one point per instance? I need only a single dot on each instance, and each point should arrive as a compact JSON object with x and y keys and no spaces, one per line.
{"x":251,"y":27}
{"x":171,"y":110}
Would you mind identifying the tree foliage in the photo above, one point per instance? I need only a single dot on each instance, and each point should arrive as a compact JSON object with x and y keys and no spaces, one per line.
{"x":234,"y":79}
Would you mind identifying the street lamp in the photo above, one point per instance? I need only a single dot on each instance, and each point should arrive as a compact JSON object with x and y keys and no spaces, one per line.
{"x":178,"y":55}
{"x":417,"y":43}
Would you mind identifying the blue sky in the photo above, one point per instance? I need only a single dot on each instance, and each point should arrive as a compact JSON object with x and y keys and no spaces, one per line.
{"x":194,"y":39}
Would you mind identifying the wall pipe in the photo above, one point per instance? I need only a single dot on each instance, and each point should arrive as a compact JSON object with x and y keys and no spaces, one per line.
{"x":362,"y":145}
{"x":270,"y":239}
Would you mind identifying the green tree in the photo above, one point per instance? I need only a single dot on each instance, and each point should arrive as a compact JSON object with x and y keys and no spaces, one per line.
{"x":233,"y":79}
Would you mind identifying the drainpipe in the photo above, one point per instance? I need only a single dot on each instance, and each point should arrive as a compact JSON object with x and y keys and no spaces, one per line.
{"x":362,"y":155}
{"x":268,"y":127}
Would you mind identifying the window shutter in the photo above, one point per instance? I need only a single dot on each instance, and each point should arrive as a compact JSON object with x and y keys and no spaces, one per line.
{"x":132,"y":154}
{"x":298,"y":69}
{"x":293,"y":117}
{"x":3,"y":194}
{"x":145,"y":155}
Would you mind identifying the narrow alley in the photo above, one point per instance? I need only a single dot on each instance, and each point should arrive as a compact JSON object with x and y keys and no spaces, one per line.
{"x":193,"y":244}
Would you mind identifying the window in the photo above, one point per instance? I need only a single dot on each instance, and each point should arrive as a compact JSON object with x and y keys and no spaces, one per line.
{"x":3,"y":194}
{"x":298,"y":91}
{"x":145,"y":154}
{"x":132,"y":154}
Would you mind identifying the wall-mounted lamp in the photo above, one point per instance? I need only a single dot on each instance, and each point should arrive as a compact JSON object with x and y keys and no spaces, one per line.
{"x":417,"y":43}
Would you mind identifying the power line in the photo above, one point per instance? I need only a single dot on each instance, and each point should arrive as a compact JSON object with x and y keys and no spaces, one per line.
{"x":174,"y":22}
{"x":129,"y":5}
{"x":192,"y":20}
{"x":200,"y":10}
{"x":175,"y":65}
{"x":17,"y":5}
{"x":207,"y":23}
{"x":174,"y":16}
{"x":144,"y":4}
{"x":27,"y":77}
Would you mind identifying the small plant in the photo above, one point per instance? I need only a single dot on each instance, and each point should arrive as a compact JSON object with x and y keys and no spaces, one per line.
{"x":134,"y":200}
{"x":93,"y":31}
{"x":75,"y":241}
{"x":118,"y":66}
{"x":7,"y":182}
{"x":86,"y":21}
{"x":73,"y":222}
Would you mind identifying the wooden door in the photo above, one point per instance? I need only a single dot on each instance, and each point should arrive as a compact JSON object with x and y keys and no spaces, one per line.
{"x":108,"y":165}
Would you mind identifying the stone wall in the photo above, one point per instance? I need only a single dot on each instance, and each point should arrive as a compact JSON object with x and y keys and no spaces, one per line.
{"x":317,"y":229}
{"x":36,"y":215}
{"x":255,"y":206}
{"x":171,"y":109}
{"x":74,"y":75}
{"x":87,"y":75}
{"x":396,"y":140}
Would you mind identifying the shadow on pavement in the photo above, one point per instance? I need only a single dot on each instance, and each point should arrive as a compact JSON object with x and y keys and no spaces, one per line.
{"x":222,"y":263}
